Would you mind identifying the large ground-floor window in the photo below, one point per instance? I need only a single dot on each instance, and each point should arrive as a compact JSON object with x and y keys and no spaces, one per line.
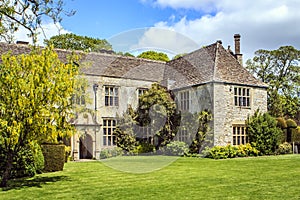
{"x":239,"y":134}
{"x":109,"y":125}
{"x":182,"y":135}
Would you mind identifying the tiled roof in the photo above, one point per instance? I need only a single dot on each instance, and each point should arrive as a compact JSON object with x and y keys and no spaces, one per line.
{"x":101,"y":64}
{"x":125,"y":67}
{"x":212,"y":63}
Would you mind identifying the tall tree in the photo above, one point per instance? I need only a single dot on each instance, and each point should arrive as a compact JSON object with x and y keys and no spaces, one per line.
{"x":157,"y":109}
{"x":281,"y":71}
{"x":35,"y":101}
{"x":72,"y":41}
{"x":28,"y":14}
{"x":153,"y":55}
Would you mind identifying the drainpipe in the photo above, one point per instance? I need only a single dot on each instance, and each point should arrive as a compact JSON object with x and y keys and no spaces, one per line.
{"x":95,"y":88}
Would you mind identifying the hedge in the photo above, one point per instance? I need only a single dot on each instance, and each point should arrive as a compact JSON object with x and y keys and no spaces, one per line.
{"x":54,"y":156}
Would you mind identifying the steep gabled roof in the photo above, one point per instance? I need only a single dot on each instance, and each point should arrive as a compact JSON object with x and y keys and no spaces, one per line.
{"x":209,"y":64}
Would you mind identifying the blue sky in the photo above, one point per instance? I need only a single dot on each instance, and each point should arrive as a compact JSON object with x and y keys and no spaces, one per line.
{"x":263,"y":24}
{"x":105,"y":18}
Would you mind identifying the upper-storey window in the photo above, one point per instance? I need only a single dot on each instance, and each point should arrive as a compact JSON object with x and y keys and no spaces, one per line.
{"x":242,"y":97}
{"x":79,"y":97}
{"x":184,"y":100}
{"x":111,"y":96}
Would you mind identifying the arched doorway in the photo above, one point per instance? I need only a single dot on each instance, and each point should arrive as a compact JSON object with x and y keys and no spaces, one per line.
{"x":86,"y":147}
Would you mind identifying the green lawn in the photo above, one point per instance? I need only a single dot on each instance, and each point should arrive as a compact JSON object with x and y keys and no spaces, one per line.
{"x":274,"y":177}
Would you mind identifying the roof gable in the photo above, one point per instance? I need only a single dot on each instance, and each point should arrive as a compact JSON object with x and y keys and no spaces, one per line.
{"x":212,"y":63}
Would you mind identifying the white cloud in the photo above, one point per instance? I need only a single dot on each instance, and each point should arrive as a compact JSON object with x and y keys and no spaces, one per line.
{"x":263,"y":24}
{"x":49,"y":29}
{"x":165,"y":40}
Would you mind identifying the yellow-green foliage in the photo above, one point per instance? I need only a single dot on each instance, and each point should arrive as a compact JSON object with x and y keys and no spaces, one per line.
{"x":36,"y":91}
{"x":54,"y":157}
{"x":35,"y":100}
{"x":284,"y":148}
{"x":281,"y":123}
{"x":153,"y":55}
{"x":224,"y":152}
{"x":291,"y":123}
{"x":296,"y":135}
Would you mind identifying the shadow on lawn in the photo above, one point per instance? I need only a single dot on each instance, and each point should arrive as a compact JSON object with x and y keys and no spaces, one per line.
{"x":33,"y":182}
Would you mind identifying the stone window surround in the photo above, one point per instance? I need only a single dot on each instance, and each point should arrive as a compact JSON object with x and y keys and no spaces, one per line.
{"x":109,"y":125}
{"x":184,"y":100}
{"x":242,"y":96}
{"x":111,"y":95}
{"x":239,"y":135}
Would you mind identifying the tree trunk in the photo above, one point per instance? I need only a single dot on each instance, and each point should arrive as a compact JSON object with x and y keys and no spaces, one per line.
{"x":8,"y":168}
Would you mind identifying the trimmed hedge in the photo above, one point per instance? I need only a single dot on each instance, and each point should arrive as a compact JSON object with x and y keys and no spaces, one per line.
{"x":54,"y":156}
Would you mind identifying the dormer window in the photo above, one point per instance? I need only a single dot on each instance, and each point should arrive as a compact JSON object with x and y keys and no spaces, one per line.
{"x":242,"y":97}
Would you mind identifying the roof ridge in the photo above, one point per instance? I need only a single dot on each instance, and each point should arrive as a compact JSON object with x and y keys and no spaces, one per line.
{"x":215,"y":60}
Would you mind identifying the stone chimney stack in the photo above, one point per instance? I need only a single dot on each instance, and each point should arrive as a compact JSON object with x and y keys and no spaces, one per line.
{"x":237,"y":47}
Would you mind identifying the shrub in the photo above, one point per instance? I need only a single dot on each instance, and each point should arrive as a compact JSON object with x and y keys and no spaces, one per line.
{"x":263,"y":131}
{"x":144,"y":147}
{"x":176,"y":148}
{"x":223,"y":152}
{"x":285,"y":148}
{"x":39,"y":160}
{"x":23,"y":165}
{"x":218,"y":152}
{"x":54,"y":156}
{"x":105,"y":153}
{"x":27,"y":163}
{"x":296,"y":135}
{"x":109,"y":153}
{"x":247,"y":150}
{"x":232,"y":151}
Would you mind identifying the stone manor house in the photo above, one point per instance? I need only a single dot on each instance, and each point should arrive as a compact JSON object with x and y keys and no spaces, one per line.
{"x":211,"y":78}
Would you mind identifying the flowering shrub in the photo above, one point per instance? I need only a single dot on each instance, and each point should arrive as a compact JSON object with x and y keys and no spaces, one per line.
{"x":229,"y":151}
{"x":284,"y":148}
